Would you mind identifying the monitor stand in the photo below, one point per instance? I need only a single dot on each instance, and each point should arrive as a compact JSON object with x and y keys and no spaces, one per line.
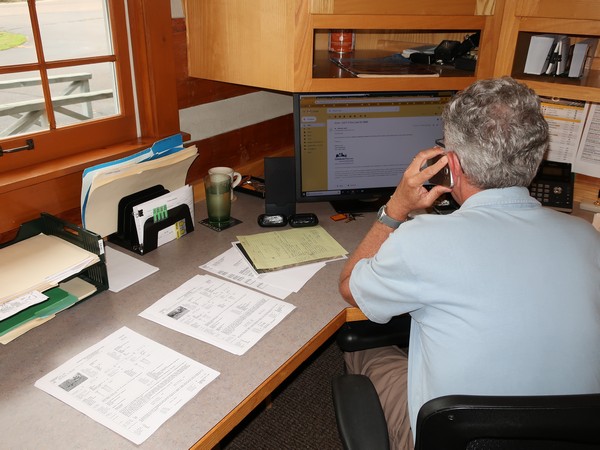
{"x":358,"y":206}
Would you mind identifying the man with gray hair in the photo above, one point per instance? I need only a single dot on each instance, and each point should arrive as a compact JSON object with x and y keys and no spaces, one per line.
{"x":504,"y":294}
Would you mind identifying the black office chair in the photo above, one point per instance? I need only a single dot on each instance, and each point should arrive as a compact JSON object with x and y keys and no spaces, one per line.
{"x":459,"y":422}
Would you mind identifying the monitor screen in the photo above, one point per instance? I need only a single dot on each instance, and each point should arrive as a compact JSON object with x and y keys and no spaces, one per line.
{"x":352,"y":148}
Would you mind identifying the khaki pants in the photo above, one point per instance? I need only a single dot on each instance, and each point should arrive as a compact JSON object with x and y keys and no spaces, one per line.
{"x":387,"y":367}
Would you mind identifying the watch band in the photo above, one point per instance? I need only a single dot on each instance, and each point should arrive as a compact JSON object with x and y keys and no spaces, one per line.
{"x":387,"y":220}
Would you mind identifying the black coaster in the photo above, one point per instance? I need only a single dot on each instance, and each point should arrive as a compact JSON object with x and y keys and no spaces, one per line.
{"x":220,"y":227}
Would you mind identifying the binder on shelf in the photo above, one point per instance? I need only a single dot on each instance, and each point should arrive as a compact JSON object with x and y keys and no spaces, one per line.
{"x":543,"y":53}
{"x":580,"y":53}
{"x":166,"y":224}
{"x":558,"y":60}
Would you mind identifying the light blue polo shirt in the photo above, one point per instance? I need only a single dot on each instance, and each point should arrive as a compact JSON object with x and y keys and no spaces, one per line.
{"x":504,"y":297}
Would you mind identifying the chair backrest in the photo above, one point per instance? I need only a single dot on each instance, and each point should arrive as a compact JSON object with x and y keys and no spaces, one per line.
{"x":460,"y":422}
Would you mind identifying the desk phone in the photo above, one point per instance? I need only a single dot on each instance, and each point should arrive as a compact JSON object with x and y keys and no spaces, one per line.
{"x":553,"y":185}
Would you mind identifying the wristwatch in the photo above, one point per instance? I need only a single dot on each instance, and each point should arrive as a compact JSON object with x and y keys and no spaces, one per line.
{"x":387,"y":220}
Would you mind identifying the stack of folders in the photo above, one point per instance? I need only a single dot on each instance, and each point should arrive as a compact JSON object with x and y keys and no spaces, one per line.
{"x":32,"y":282}
{"x":119,"y":197}
{"x":553,"y":54}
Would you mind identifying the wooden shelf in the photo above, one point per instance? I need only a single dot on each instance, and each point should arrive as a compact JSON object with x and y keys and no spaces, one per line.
{"x":586,"y":88}
{"x":325,"y":72}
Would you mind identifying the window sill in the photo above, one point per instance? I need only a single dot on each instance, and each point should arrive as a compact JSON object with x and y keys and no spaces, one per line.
{"x":39,"y":173}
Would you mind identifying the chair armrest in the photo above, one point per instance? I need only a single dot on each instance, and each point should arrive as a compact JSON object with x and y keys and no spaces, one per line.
{"x":360,"y":419}
{"x":364,"y":334}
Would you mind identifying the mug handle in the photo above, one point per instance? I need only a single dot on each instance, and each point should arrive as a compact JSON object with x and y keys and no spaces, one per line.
{"x":237,"y":178}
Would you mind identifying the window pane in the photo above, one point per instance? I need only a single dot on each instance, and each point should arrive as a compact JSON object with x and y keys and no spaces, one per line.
{"x":74,"y":28}
{"x":19,"y":46}
{"x":82,"y":93}
{"x":22,"y":107}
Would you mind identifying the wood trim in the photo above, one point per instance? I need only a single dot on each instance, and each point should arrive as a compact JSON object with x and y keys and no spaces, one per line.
{"x":586,"y":189}
{"x":354,"y":314}
{"x":152,"y":39}
{"x":423,"y":7}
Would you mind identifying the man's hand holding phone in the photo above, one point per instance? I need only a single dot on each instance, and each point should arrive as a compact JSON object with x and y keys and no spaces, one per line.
{"x":444,"y":176}
{"x":411,"y":194}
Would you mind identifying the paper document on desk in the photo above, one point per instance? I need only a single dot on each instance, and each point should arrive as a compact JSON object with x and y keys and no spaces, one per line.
{"x":234,"y":266}
{"x":153,"y":383}
{"x":277,"y":250}
{"x":39,"y":263}
{"x":219,"y":313}
{"x":20,"y":303}
{"x":125,"y":270}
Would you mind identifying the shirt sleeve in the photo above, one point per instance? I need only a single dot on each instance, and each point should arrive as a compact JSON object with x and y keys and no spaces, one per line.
{"x":386,"y":285}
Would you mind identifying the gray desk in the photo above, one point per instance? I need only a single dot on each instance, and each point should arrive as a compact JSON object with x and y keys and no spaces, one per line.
{"x":32,"y":419}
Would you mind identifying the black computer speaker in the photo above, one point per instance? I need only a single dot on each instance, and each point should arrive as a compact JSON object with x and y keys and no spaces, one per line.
{"x":280,"y":185}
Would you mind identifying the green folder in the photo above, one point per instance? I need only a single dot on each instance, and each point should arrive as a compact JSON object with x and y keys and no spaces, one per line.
{"x":58,"y":300}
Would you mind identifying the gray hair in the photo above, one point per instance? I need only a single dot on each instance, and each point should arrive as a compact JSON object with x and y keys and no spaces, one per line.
{"x":497,"y":130}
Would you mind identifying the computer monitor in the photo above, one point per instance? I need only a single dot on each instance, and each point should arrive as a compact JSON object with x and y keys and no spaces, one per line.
{"x":351,"y":149}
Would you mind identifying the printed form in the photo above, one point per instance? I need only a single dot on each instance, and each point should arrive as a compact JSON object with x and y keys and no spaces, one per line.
{"x":278,"y":250}
{"x":128,"y":383}
{"x":219,"y":313}
{"x":565,"y":119}
{"x":588,"y":155}
{"x":234,"y":266}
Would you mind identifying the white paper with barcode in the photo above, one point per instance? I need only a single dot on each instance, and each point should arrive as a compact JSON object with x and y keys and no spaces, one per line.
{"x":219,"y":312}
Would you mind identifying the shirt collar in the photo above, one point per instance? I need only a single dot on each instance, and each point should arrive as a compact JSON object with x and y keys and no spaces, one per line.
{"x":516,"y":196}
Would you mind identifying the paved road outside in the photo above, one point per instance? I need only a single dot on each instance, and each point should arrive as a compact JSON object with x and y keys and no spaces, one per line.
{"x":70,"y":29}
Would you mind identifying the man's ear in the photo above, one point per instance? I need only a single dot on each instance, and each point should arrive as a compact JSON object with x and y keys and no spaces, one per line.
{"x":454,"y":165}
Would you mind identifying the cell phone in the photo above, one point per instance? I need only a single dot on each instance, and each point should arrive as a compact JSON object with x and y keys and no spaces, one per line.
{"x":443,"y":177}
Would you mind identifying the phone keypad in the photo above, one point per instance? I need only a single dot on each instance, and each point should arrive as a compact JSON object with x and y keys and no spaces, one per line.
{"x":540,"y":191}
{"x":551,"y":194}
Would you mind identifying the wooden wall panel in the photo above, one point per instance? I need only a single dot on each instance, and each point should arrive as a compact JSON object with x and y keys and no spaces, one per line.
{"x":243,"y":149}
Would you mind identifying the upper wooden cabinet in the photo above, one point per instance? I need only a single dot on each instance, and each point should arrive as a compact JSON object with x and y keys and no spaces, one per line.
{"x":578,"y":19}
{"x":282,"y":44}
